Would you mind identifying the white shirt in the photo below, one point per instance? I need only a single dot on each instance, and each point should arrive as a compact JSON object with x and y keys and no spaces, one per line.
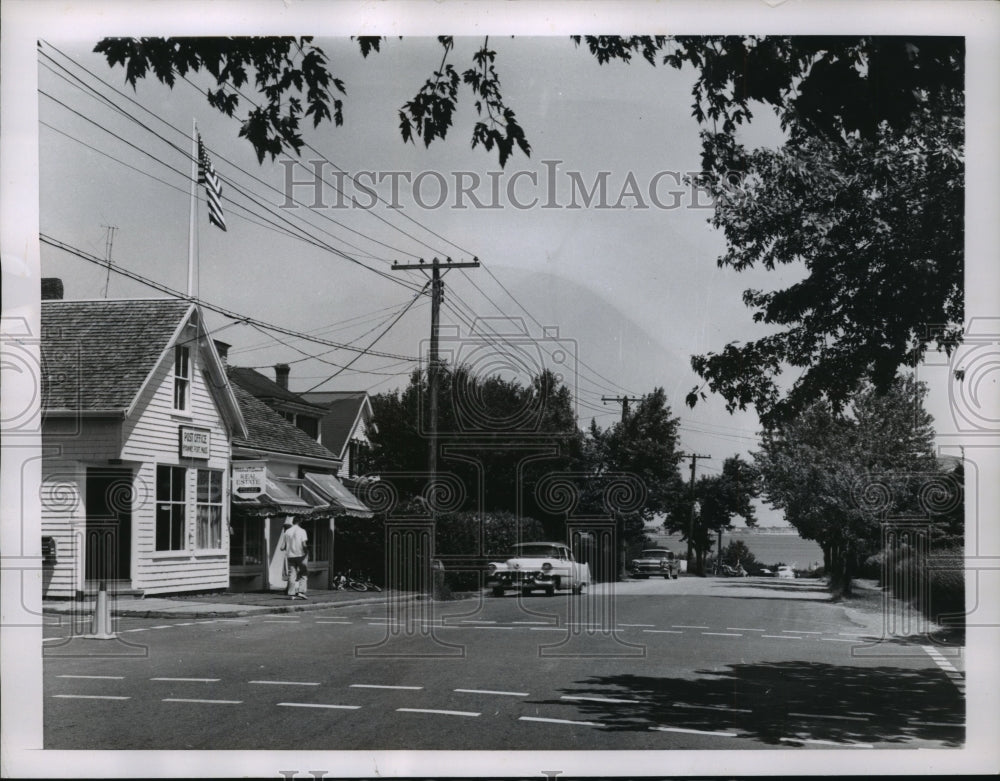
{"x":295,"y":541}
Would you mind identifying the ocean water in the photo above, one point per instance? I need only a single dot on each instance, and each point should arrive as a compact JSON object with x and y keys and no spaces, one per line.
{"x":768,"y":548}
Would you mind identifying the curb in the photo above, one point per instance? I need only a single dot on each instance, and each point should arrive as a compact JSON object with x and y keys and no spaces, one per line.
{"x":211,"y":611}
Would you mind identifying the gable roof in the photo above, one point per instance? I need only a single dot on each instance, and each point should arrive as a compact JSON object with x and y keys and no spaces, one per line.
{"x":265,"y":388}
{"x":267,"y":430}
{"x":96,"y":355}
{"x":343,"y":410}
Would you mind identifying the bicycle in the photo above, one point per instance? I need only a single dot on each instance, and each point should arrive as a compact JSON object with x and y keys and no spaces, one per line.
{"x":370,"y":584}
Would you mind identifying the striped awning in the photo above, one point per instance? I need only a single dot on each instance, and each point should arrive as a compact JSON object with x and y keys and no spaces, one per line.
{"x":329,"y":491}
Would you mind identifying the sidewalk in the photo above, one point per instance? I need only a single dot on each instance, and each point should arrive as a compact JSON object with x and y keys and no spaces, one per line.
{"x":225,"y":604}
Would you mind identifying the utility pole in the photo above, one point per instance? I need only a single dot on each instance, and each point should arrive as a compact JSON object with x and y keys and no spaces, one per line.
{"x":437,"y":272}
{"x":623,"y":400}
{"x":108,"y":244}
{"x":622,"y":549}
{"x":694,"y":460}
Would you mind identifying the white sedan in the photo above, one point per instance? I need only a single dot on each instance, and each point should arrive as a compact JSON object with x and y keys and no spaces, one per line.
{"x":538,"y":565}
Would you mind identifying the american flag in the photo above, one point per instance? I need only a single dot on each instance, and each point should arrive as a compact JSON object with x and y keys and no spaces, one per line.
{"x":213,"y":186}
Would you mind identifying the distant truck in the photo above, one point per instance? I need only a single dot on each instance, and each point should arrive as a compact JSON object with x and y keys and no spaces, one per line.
{"x":656,"y":561}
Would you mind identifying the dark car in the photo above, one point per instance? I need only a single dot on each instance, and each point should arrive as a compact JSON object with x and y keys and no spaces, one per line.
{"x":655,"y":561}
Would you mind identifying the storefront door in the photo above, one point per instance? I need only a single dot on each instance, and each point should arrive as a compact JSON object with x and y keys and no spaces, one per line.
{"x":109,"y":496}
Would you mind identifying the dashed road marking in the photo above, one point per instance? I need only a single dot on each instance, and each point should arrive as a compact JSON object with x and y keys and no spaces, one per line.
{"x":827,"y":716}
{"x":491,"y":627}
{"x":50,"y":639}
{"x":837,"y":640}
{"x":610,"y":700}
{"x":561,"y":721}
{"x":382,"y":686}
{"x":544,"y":623}
{"x":782,"y":637}
{"x":800,"y":632}
{"x":712,"y":707}
{"x":664,"y":631}
{"x":743,"y":629}
{"x":953,"y":674}
{"x":163,"y":626}
{"x":682,"y":626}
{"x":206,"y":702}
{"x":317,"y":705}
{"x":286,"y":683}
{"x":333,"y":622}
{"x":475,"y":621}
{"x":440,"y":712}
{"x":95,"y":677}
{"x":723,"y":634}
{"x":714,"y":733}
{"x":491,"y":691}
{"x":188,"y":680}
{"x":89,"y":697}
{"x":826,"y":743}
{"x":937,"y":724}
{"x":546,"y":629}
{"x":137,"y":629}
{"x":640,"y":625}
{"x":282,"y":621}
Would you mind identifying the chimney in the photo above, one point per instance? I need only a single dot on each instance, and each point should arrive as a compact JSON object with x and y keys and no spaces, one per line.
{"x":222,"y":348}
{"x":52,"y":289}
{"x":281,"y":372}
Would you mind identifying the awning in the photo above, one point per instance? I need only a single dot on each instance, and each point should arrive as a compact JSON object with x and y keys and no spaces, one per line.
{"x":330,"y":491}
{"x":277,"y":498}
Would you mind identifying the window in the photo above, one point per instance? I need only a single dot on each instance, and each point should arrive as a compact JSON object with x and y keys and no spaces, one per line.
{"x":246,"y":541}
{"x":182,"y":378}
{"x":209,"y":509}
{"x":170,"y":507}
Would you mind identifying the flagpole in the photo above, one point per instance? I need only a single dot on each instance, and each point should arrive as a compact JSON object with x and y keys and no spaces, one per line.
{"x":193,"y":226}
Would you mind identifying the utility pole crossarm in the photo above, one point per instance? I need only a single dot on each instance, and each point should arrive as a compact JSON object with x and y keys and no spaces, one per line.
{"x":623,"y":400}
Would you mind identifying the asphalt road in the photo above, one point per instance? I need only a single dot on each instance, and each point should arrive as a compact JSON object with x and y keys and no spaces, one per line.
{"x":693,"y":663}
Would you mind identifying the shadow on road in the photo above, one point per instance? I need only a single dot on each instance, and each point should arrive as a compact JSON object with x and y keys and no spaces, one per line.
{"x":771,"y":701}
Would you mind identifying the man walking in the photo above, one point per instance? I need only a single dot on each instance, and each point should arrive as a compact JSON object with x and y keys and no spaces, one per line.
{"x":296,"y":547}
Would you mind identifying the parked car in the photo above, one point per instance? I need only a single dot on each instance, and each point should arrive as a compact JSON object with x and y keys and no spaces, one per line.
{"x":656,"y":561}
{"x":545,"y":566}
{"x":784,"y":572}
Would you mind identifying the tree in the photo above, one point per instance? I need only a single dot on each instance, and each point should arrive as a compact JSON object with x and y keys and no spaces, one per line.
{"x":720,"y":498}
{"x":283,"y":68}
{"x":877,"y":225}
{"x":838,"y":474}
{"x":481,"y":423}
{"x":644,"y":446}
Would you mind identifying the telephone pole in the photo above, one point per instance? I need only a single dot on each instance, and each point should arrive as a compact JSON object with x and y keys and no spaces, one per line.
{"x":436,"y":275}
{"x":622,"y":546}
{"x":694,"y":460}
{"x":108,"y":244}
{"x":623,"y":400}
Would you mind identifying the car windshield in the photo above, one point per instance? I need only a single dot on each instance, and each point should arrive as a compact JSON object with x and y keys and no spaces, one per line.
{"x":656,"y":554}
{"x":538,"y":551}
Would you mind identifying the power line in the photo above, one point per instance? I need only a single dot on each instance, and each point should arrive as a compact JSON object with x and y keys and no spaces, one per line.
{"x":215,"y":307}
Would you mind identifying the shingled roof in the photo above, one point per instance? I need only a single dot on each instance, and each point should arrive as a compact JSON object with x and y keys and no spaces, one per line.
{"x":342,"y":410}
{"x":96,"y":355}
{"x":265,"y":388}
{"x":267,"y":430}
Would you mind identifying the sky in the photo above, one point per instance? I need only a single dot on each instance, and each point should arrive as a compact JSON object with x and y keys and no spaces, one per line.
{"x":628,"y":293}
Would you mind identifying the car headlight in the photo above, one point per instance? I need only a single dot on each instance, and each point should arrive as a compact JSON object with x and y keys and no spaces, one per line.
{"x":491,"y":569}
{"x":546,"y":567}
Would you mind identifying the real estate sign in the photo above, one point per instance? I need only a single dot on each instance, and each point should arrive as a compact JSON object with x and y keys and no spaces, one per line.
{"x":248,"y":478}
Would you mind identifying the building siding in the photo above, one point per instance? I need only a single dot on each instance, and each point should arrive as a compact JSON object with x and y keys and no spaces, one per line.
{"x":149,"y":437}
